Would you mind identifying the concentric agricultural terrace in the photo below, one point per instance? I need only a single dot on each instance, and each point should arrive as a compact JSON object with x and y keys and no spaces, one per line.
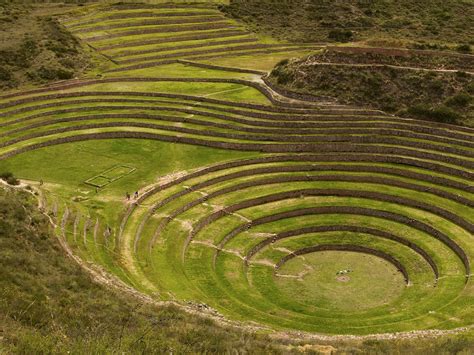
{"x":334,"y":219}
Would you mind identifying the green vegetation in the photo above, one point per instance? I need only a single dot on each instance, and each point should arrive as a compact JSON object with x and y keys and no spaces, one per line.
{"x":339,"y":280}
{"x":49,"y":305}
{"x":464,"y":48}
{"x":404,"y":85}
{"x":424,"y":23}
{"x":9,"y":178}
{"x":35,"y":48}
{"x":187,"y":184}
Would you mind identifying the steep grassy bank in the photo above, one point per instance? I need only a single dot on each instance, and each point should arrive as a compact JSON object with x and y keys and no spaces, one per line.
{"x":425,"y":23}
{"x":48,"y":304}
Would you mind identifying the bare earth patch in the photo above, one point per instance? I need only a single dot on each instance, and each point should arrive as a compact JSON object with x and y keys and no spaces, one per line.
{"x":343,"y":278}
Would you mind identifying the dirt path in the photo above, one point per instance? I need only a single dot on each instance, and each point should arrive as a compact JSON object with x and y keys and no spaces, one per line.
{"x":387,"y":66}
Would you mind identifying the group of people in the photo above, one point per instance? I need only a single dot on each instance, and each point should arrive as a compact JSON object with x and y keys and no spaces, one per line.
{"x":135,"y":196}
{"x":127,"y":194}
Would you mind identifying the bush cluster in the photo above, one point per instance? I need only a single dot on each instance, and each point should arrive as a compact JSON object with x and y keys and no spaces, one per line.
{"x":48,"y":74}
{"x":464,"y":48}
{"x":341,"y":35}
{"x":9,"y":178}
{"x":440,"y":114}
{"x":438,"y":96}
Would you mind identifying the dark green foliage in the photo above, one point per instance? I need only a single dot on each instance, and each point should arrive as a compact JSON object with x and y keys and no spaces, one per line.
{"x":440,"y":114}
{"x":340,"y":35}
{"x":470,"y":88}
{"x":282,"y":62}
{"x":464,"y":48}
{"x":283,"y":75}
{"x":21,"y":56}
{"x":49,"y":74}
{"x":460,"y":100}
{"x":433,"y":95}
{"x":9,"y":178}
{"x":27,"y":51}
{"x":429,"y":46}
{"x":5,"y":74}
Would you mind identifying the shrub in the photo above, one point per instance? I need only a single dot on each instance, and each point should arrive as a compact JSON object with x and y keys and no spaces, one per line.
{"x":27,"y":51}
{"x":460,"y":100}
{"x":9,"y":178}
{"x":67,"y":63}
{"x":5,"y":175}
{"x":470,"y":88}
{"x":462,"y":74}
{"x":429,"y":46}
{"x":389,"y":104}
{"x":440,"y":114}
{"x":341,"y":35}
{"x":283,"y":62}
{"x":282,"y":74}
{"x":464,"y":48}
{"x":53,"y":73}
{"x":5,"y":74}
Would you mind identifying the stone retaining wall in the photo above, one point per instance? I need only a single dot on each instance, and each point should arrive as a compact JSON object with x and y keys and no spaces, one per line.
{"x":345,"y":228}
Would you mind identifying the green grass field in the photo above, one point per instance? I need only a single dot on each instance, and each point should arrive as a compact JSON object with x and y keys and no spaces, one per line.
{"x":295,"y":215}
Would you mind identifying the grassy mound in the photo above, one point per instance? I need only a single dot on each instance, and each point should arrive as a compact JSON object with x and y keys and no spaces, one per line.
{"x":425,"y":23}
{"x":35,"y":48}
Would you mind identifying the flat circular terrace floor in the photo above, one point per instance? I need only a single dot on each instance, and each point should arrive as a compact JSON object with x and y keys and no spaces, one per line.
{"x":340,"y":280}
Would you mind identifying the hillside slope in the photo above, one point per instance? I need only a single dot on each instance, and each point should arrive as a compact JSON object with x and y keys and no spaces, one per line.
{"x":312,"y":20}
{"x":400,"y":82}
{"x":35,"y":48}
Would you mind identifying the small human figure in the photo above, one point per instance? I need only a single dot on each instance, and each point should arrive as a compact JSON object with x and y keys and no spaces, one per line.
{"x":41,"y":182}
{"x":136,"y":194}
{"x":96,"y":190}
{"x":128,"y":196}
